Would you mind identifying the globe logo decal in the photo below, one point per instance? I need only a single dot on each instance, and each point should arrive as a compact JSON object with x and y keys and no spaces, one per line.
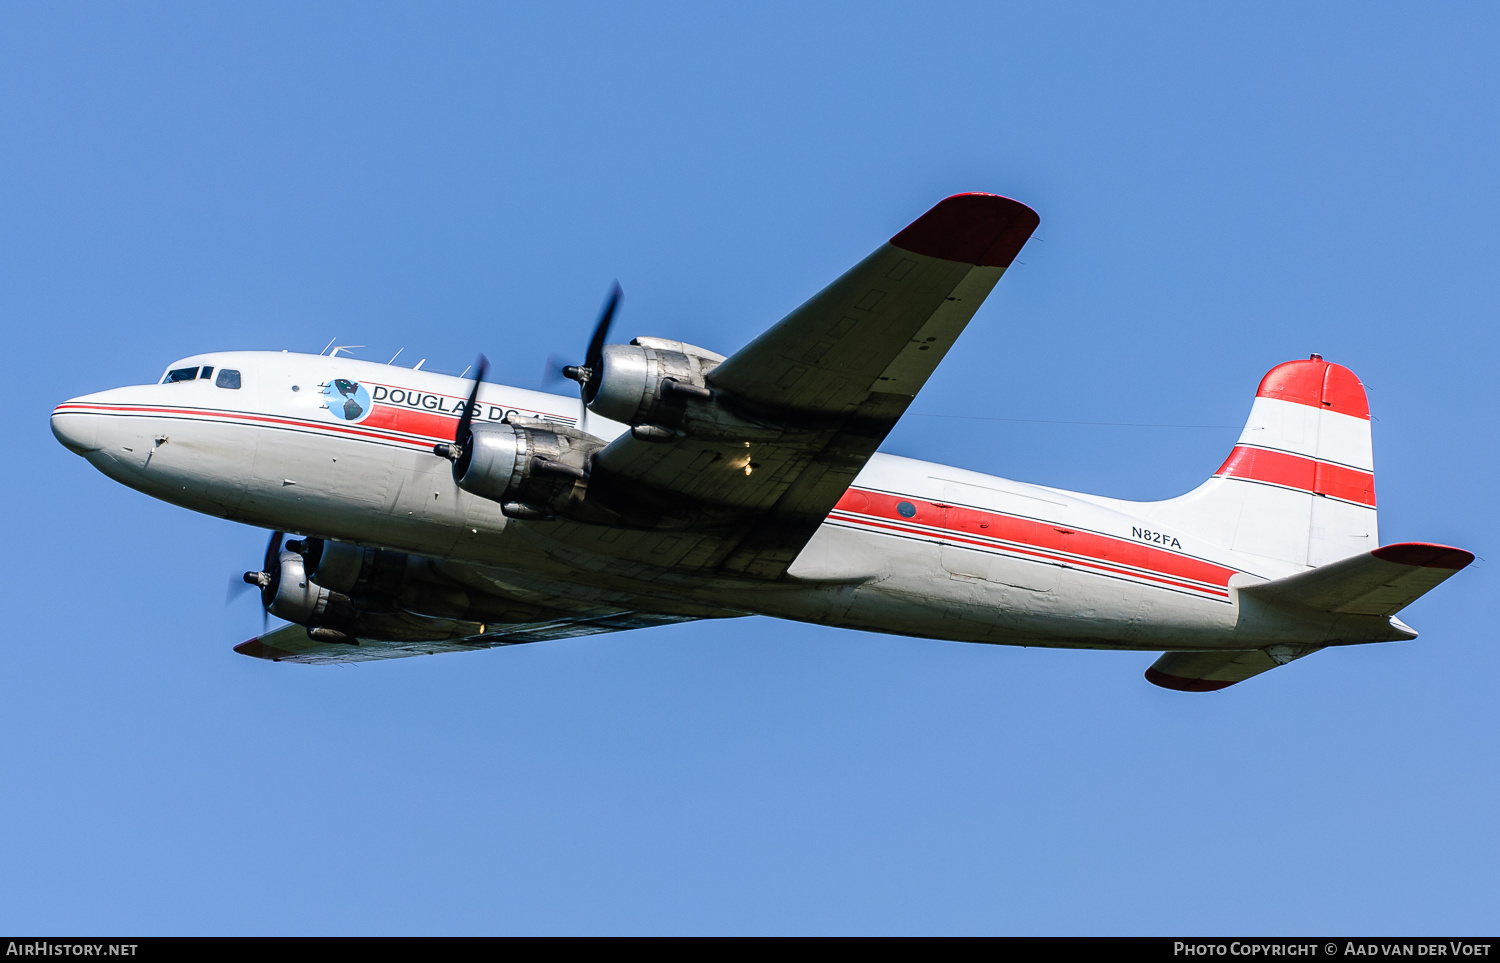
{"x":348,"y":400}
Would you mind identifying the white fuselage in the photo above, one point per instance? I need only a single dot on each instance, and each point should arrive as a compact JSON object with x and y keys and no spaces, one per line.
{"x":914,"y":548}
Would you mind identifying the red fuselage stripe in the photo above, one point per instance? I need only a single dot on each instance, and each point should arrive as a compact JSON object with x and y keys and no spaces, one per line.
{"x":383,"y":424}
{"x":992,"y":530}
{"x":959,"y":525}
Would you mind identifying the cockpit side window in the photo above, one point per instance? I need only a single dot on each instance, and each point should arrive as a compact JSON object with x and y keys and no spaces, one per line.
{"x":179,"y":374}
{"x":228,"y":378}
{"x":206,"y":373}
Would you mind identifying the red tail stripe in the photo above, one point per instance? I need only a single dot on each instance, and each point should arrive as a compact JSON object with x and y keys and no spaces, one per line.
{"x":1318,"y":384}
{"x":1299,"y":472}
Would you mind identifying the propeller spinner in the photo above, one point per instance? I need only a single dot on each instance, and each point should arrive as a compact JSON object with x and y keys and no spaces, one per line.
{"x":267,"y":579}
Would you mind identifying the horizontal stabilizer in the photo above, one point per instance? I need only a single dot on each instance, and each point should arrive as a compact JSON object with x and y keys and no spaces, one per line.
{"x":1381,"y":582}
{"x":1207,"y":671}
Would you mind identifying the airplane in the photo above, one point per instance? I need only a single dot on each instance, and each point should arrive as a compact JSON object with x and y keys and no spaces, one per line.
{"x":440,"y":514}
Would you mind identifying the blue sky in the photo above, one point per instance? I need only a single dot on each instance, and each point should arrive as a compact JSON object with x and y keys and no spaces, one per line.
{"x":1220,"y":190}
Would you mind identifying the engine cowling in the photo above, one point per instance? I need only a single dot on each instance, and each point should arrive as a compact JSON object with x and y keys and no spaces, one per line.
{"x":379,"y":582}
{"x":651,"y":381}
{"x":294,"y":596}
{"x":368,"y":575}
{"x":534,"y":469}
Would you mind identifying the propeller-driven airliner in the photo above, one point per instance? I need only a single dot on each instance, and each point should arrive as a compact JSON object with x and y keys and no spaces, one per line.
{"x":440,"y":514}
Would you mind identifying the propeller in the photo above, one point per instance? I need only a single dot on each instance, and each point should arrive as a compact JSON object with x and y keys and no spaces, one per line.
{"x":460,"y":451}
{"x":237,"y":588}
{"x":552,"y":371}
{"x":591,"y":371}
{"x":268,"y":579}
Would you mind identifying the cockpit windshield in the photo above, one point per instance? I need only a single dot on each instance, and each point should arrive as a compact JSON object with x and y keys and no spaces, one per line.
{"x":228,"y":377}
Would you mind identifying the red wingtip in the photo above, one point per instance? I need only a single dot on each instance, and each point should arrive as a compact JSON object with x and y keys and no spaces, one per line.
{"x":258,"y":649}
{"x":1425,"y":555}
{"x":1157,"y":677}
{"x":982,"y":229}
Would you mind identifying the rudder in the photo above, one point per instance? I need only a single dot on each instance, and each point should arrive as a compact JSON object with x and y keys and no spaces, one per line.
{"x":1299,"y":485}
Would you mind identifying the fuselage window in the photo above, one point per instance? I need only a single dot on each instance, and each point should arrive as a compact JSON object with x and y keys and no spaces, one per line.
{"x":207,"y":372}
{"x":228,"y":378}
{"x":179,"y":374}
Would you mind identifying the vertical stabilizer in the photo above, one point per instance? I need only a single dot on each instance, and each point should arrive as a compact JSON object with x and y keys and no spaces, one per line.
{"x":1299,"y":485}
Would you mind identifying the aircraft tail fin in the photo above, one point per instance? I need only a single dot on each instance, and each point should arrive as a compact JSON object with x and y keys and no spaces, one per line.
{"x":1299,"y":485}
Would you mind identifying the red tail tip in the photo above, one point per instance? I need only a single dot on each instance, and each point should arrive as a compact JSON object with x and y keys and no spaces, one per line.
{"x":1425,"y":555}
{"x":1157,"y":677}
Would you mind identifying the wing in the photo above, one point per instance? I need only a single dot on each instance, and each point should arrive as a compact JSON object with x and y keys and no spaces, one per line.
{"x":818,"y":393}
{"x":291,"y":643}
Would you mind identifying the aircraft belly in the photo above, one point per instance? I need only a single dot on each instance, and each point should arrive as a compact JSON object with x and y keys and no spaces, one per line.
{"x":420,"y":505}
{"x":187,"y":463}
{"x":371,"y":494}
{"x":939,"y":590}
{"x":310,"y":483}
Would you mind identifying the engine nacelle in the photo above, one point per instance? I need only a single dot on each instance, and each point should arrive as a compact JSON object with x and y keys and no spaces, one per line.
{"x":651,"y":381}
{"x":297,"y":598}
{"x":374,"y":583}
{"x":363,"y":573}
{"x":533,"y":468}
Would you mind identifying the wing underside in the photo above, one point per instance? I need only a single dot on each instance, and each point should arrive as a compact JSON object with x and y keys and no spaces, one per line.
{"x":291,"y":643}
{"x":804,"y":406}
{"x":822,"y":388}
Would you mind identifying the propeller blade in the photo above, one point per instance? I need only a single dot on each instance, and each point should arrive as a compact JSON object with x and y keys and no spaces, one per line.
{"x":594,"y":360}
{"x":272,"y":568}
{"x":237,"y":588}
{"x":553,"y":372}
{"x":466,"y":420}
{"x":591,"y":371}
{"x":272,"y":563}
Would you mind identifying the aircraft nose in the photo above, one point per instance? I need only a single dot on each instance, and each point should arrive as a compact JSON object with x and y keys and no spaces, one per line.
{"x":76,"y":427}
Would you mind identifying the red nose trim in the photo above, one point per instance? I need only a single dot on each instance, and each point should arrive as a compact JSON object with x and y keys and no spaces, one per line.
{"x":982,"y":229}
